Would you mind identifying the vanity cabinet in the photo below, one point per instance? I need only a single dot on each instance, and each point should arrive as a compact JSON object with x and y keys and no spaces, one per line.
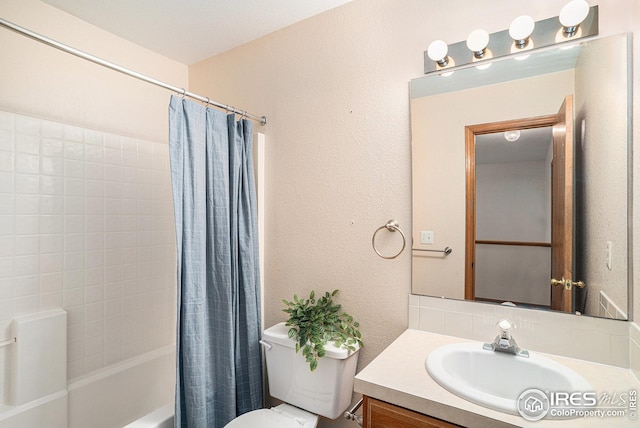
{"x":378,"y":414}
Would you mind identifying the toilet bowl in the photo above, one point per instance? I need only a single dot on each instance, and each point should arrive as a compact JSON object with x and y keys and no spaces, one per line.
{"x":282,"y":416}
{"x":306,"y":394}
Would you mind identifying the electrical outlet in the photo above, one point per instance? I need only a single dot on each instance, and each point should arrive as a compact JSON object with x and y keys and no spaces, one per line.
{"x":426,"y":237}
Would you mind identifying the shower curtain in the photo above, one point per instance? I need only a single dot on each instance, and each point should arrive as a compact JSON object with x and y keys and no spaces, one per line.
{"x":219,"y":373}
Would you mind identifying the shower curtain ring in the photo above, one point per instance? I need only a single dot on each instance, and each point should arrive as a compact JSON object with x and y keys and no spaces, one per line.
{"x":207,"y":102}
{"x":184,"y":92}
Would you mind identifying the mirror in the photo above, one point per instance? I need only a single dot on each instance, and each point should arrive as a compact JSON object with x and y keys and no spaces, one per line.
{"x":491,"y":200}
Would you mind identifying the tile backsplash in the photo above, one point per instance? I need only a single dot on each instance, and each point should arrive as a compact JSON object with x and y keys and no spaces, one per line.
{"x":86,"y":224}
{"x":599,"y":340}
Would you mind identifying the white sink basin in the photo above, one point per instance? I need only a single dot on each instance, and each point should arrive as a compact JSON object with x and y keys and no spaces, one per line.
{"x":496,"y":379}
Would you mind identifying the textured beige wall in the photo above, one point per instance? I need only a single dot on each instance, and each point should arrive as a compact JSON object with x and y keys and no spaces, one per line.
{"x":335,"y":88}
{"x":40,"y":81}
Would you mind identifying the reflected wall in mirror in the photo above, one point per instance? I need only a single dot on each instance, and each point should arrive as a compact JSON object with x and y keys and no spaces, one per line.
{"x":505,"y":255}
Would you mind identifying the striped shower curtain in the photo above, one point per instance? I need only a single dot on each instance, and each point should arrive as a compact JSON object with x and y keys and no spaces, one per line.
{"x":219,"y":373}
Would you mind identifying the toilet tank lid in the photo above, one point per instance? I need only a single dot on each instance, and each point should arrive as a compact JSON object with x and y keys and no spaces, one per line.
{"x":279,"y":334}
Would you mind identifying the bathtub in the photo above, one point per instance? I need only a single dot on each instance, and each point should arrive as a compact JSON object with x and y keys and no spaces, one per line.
{"x":159,"y":418}
{"x":133,"y":392}
{"x":117,"y":396}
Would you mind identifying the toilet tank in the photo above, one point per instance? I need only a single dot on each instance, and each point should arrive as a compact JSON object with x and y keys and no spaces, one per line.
{"x":326,"y":391}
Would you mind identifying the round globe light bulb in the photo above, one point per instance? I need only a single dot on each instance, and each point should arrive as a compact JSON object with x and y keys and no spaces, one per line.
{"x":521,"y":27}
{"x":478,"y":41}
{"x":573,"y":13}
{"x":437,"y":51}
{"x":512,"y":136}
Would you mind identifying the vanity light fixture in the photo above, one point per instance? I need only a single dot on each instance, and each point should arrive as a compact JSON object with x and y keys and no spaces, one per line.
{"x":520,"y":31}
{"x":577,"y":20}
{"x":477,"y":43}
{"x":572,"y":15}
{"x":512,"y":136}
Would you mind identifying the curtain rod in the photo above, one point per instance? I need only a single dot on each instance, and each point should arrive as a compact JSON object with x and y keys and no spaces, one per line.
{"x":73,"y":51}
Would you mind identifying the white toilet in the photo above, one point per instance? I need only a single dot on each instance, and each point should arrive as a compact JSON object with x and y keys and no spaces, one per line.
{"x":306,"y":394}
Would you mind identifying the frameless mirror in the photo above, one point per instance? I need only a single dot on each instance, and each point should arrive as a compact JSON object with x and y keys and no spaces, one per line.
{"x":523,"y":170}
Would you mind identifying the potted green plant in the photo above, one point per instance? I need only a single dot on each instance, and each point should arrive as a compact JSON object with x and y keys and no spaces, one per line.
{"x":314,"y":322}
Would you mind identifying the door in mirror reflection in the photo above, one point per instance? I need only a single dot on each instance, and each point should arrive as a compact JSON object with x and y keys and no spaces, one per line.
{"x":519,"y":210}
{"x":562,"y":196}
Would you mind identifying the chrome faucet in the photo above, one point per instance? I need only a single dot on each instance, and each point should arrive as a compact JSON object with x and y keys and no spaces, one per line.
{"x":504,"y":342}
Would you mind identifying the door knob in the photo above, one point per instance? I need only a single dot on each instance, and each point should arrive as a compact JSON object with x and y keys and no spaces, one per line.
{"x":568,"y":283}
{"x":579,"y":284}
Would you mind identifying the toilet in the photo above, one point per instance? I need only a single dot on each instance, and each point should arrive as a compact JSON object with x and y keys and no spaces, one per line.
{"x":306,"y":395}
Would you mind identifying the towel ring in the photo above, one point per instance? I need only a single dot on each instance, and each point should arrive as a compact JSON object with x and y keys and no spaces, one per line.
{"x":391,"y":226}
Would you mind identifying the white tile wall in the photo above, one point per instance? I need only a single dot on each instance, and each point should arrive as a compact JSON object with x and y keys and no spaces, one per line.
{"x":86,"y":224}
{"x":607,"y":308}
{"x":594,"y":339}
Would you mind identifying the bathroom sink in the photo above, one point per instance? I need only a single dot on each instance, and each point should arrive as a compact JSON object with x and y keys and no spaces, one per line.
{"x":496,"y":379}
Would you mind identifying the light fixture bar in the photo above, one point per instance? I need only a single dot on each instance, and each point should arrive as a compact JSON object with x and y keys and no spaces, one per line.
{"x":546,"y":33}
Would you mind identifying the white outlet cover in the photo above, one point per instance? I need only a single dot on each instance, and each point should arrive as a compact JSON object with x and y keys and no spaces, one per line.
{"x":426,"y":237}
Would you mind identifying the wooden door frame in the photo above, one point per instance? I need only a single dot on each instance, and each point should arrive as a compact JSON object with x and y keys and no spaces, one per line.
{"x":562,"y":207}
{"x":470,"y":164}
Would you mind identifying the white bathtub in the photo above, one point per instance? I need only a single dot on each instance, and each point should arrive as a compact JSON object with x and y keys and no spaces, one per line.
{"x":159,"y":418}
{"x":122,"y":394}
{"x":119,"y":395}
{"x":49,"y":411}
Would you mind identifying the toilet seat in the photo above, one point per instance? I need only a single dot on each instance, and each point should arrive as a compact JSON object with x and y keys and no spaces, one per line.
{"x":282,"y":416}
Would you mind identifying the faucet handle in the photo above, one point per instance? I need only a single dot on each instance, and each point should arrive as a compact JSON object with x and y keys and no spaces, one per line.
{"x":505,"y":326}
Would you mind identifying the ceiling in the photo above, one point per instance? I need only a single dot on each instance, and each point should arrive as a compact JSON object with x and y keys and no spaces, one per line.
{"x":191,"y":30}
{"x":533,"y":145}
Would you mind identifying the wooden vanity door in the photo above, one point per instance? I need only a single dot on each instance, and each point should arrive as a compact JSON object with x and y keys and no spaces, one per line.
{"x":562,"y":207}
{"x":378,"y":414}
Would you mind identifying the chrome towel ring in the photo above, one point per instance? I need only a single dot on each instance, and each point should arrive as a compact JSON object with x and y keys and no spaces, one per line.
{"x":391,"y":226}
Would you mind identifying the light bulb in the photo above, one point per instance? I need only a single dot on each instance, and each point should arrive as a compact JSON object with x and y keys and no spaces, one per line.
{"x":512,"y":136}
{"x":520,"y":30}
{"x":477,"y":42}
{"x":437,"y":51}
{"x":572,"y":15}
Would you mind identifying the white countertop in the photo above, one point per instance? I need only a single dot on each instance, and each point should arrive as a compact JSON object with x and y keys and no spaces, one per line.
{"x":398,"y":376}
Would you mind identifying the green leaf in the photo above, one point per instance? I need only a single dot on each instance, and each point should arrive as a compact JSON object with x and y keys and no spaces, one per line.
{"x":314,"y":322}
